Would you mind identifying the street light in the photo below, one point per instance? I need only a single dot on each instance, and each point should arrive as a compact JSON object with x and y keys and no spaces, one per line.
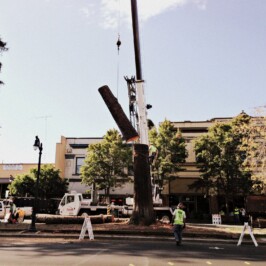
{"x":37,"y":145}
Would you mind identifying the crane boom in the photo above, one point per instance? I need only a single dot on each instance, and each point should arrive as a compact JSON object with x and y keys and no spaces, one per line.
{"x":141,"y":112}
{"x":135,"y":25}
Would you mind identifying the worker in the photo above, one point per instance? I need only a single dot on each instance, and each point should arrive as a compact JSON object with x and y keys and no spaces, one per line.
{"x":13,"y":213}
{"x":236,"y":214}
{"x":153,"y":153}
{"x":179,"y":222}
{"x":221,"y":212}
{"x":21,"y":215}
{"x":242,"y":215}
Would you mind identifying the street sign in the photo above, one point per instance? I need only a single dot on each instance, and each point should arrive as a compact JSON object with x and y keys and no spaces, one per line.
{"x":86,"y":226}
{"x":246,"y":226}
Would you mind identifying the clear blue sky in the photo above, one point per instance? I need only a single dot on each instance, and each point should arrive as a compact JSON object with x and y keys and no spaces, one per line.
{"x":200,"y":58}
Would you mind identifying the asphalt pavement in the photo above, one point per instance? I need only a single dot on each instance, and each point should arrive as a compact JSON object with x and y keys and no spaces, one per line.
{"x":42,"y":252}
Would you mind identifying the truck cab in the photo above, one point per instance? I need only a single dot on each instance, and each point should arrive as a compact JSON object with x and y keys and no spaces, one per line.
{"x":72,"y":203}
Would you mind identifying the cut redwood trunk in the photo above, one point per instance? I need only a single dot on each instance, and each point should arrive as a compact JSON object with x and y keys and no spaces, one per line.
{"x":128,"y":131}
{"x":143,"y":206}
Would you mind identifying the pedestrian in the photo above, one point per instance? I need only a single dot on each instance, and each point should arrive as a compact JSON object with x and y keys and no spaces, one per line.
{"x":179,"y":222}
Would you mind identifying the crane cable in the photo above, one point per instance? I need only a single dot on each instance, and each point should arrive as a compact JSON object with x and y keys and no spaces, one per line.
{"x":118,"y":43}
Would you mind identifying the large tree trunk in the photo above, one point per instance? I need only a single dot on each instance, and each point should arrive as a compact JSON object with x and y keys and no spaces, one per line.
{"x":128,"y":131}
{"x":143,"y":206}
{"x":94,"y":194}
{"x":213,"y":201}
{"x":59,"y":219}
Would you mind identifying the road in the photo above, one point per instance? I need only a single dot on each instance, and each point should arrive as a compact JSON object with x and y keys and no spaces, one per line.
{"x":18,"y":251}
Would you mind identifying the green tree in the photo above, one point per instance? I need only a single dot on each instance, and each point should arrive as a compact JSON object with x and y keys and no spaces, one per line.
{"x":106,"y":163}
{"x":171,"y":152}
{"x":2,"y":49}
{"x":220,"y":157}
{"x":51,"y":185}
{"x":254,"y":142}
{"x":23,"y":186}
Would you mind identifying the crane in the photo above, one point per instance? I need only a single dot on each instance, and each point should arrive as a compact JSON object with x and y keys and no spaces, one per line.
{"x":137,"y":102}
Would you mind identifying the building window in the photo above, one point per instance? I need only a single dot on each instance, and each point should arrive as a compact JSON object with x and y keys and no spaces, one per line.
{"x":79,"y":163}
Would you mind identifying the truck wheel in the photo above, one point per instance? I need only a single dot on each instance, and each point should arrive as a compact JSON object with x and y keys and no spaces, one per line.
{"x":165,"y":219}
{"x":84,"y":214}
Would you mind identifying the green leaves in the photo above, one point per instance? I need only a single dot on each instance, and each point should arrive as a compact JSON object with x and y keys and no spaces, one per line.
{"x":171,"y":151}
{"x":107,"y":162}
{"x":51,"y":185}
{"x":220,"y":155}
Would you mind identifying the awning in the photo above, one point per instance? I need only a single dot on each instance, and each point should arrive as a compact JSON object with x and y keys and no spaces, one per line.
{"x":5,"y":180}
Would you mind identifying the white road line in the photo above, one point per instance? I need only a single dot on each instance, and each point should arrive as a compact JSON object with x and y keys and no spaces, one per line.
{"x":90,"y":257}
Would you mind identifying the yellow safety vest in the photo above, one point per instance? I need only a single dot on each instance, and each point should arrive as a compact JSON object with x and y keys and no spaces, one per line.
{"x":179,"y":217}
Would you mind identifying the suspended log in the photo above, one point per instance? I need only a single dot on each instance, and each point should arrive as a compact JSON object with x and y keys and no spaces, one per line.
{"x":128,"y":131}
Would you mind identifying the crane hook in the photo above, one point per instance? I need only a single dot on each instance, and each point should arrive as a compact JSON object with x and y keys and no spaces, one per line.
{"x":118,"y":43}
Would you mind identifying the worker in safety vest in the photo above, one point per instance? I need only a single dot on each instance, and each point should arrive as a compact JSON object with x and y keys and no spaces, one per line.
{"x":179,"y":222}
{"x":236,"y":214}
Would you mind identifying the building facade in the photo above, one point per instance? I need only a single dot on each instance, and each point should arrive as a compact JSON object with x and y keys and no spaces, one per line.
{"x":71,"y":152}
{"x":70,"y":155}
{"x":178,"y":190}
{"x":8,"y":172}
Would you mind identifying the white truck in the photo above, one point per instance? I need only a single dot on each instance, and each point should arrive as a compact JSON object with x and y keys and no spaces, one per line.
{"x":73,"y":204}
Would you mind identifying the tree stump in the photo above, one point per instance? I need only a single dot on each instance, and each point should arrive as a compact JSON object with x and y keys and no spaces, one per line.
{"x":143,"y":213}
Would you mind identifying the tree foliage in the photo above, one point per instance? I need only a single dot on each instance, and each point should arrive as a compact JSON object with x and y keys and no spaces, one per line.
{"x":171,"y":151}
{"x":2,"y":48}
{"x":51,"y":185}
{"x":254,"y":143}
{"x":220,"y":155}
{"x":106,"y":163}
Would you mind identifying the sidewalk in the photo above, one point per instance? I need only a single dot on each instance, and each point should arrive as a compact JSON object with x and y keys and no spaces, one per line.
{"x":120,"y":230}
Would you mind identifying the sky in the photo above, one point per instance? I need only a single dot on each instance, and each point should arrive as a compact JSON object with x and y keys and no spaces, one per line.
{"x":200,"y":59}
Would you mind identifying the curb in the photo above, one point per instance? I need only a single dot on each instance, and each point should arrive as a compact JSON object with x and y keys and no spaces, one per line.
{"x":213,"y":241}
{"x":68,"y":232}
{"x":133,"y":236}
